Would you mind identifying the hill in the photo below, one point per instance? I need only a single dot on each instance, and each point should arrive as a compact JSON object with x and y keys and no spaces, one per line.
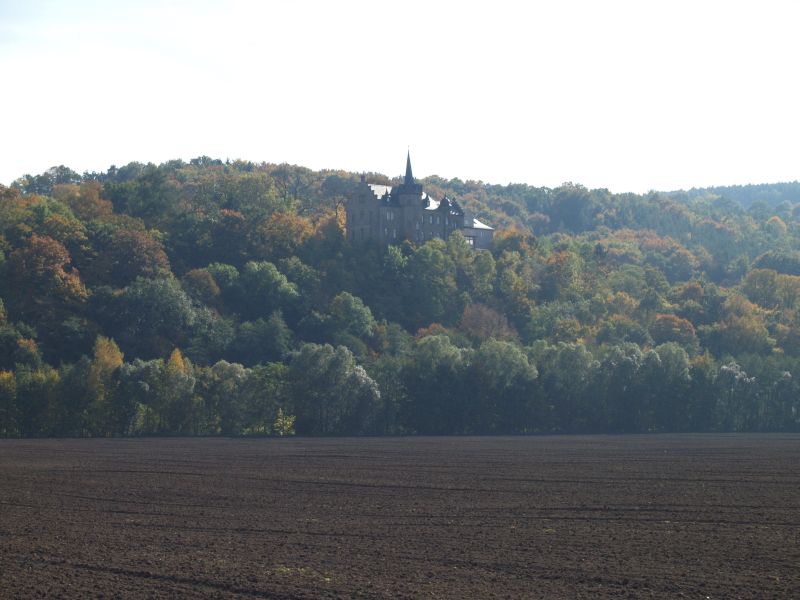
{"x":216,"y":297}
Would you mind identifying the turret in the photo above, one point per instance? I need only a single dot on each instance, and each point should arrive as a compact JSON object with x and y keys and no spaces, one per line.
{"x":409,"y":178}
{"x":410,"y":192}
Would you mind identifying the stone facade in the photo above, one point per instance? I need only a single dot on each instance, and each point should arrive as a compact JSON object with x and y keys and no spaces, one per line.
{"x":390,"y":215}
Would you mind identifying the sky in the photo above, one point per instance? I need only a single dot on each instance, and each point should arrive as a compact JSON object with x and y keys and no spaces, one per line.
{"x":624,"y":95}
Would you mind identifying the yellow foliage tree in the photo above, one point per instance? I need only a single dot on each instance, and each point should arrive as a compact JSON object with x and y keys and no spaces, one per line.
{"x":8,"y":397}
{"x":101,"y":385}
{"x":176,"y":363}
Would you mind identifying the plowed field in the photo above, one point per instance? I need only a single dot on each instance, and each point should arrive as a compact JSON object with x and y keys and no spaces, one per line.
{"x":696,"y":516}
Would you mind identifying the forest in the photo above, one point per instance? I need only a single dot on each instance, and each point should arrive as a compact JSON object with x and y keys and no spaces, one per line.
{"x":223,"y":298}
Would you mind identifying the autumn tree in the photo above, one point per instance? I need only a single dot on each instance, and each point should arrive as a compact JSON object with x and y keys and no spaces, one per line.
{"x":281,"y":235}
{"x":103,"y":414}
{"x":9,"y":426}
{"x":129,"y":254}
{"x":482,"y":323}
{"x":43,"y":284}
{"x":671,"y":328}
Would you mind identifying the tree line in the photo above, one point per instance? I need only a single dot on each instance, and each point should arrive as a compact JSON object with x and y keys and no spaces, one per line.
{"x":211,"y":298}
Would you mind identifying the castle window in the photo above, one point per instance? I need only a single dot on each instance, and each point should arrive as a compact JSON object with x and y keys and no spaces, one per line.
{"x":470,"y":240}
{"x":394,"y":233}
{"x":417,"y":225}
{"x":437,"y":219}
{"x":430,"y":219}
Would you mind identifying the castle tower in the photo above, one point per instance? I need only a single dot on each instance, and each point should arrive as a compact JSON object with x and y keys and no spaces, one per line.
{"x":409,"y":192}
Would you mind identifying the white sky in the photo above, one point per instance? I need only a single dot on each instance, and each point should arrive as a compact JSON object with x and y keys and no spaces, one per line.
{"x":627,"y":95}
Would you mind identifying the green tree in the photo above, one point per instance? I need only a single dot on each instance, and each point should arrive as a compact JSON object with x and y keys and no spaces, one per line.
{"x":503,"y":397}
{"x":38,"y":400}
{"x":331,"y":393}
{"x":434,"y":382}
{"x":349,"y":314}
{"x":431,"y":286}
{"x":262,"y":340}
{"x":154,"y":315}
{"x":265,"y":290}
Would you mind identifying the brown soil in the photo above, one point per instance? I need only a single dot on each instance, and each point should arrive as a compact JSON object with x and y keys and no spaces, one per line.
{"x":698,"y":516}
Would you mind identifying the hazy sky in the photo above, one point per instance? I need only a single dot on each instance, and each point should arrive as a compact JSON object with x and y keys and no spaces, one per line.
{"x":630,"y":96}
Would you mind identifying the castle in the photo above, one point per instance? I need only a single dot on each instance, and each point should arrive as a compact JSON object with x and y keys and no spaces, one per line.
{"x":390,"y":215}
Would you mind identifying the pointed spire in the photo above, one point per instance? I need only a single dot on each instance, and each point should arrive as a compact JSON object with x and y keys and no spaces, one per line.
{"x":409,"y":176}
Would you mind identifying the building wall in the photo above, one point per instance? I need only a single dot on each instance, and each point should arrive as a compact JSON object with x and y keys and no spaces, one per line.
{"x":478,"y":238}
{"x":364,"y":219}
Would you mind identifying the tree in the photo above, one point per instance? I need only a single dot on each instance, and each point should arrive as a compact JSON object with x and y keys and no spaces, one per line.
{"x":432,"y":291}
{"x":349,"y":314}
{"x":567,"y":373}
{"x":104,"y":415}
{"x":504,"y":397}
{"x":262,"y":340}
{"x":560,"y":275}
{"x":154,"y":315}
{"x":481,"y":323}
{"x":573,"y":207}
{"x":435,"y":388}
{"x":761,"y":286}
{"x":337,"y":189}
{"x":84,"y":200}
{"x":620,"y":328}
{"x":38,"y":400}
{"x":43,"y":184}
{"x":224,"y":388}
{"x":265,"y":290}
{"x":741,"y":329}
{"x":130,"y":254}
{"x":9,"y":419}
{"x":281,"y":235}
{"x":666,"y":381}
{"x":671,"y":328}
{"x":42,"y":283}
{"x":180,"y":411}
{"x":618,"y":387}
{"x":735,"y":392}
{"x":162,"y":397}
{"x":284,"y":424}
{"x":139,"y":384}
{"x":268,"y":391}
{"x":201,"y":286}
{"x":331,"y":393}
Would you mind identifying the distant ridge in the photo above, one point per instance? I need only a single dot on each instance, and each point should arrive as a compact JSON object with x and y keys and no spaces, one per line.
{"x":746,"y":195}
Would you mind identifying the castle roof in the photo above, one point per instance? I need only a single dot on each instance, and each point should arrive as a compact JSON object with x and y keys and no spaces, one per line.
{"x":380,"y":190}
{"x":409,"y":178}
{"x":477,"y":224}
